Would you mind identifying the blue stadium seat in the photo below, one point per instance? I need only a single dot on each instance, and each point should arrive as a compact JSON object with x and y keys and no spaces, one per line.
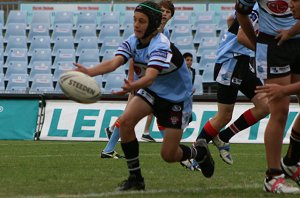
{"x":2,"y":83}
{"x":1,"y":19}
{"x":63,"y":17}
{"x":60,"y":69}
{"x":39,"y":67}
{"x":110,"y":43}
{"x":16,"y":55}
{"x":15,"y":42}
{"x":38,"y":29}
{"x":109,"y":18}
{"x":208,"y":43}
{"x":204,"y":30}
{"x":204,"y":17}
{"x":127,"y":19}
{"x":61,"y":30}
{"x":17,"y":17}
{"x":198,"y":85}
{"x":114,"y":82}
{"x":18,"y":83}
{"x":128,"y":30}
{"x":108,"y":54}
{"x":14,"y":29}
{"x":208,"y":73}
{"x":41,"y":55}
{"x":41,"y":17}
{"x":63,"y":42}
{"x":64,"y":55}
{"x":86,"y":43}
{"x":42,"y":83}
{"x":57,"y":89}
{"x":184,"y":43}
{"x":15,"y":67}
{"x":208,"y":56}
{"x":108,"y":30}
{"x":39,"y":42}
{"x":99,"y":81}
{"x":1,"y":60}
{"x":180,"y":18}
{"x":182,"y":30}
{"x":86,"y":17}
{"x":89,"y":57}
{"x":85,"y":30}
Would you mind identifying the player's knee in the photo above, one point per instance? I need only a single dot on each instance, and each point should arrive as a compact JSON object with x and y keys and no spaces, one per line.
{"x":167,"y":156}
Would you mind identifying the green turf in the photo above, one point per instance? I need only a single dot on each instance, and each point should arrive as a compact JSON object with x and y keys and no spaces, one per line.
{"x":74,"y":169}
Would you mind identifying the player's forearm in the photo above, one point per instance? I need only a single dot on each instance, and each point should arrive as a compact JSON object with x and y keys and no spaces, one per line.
{"x":292,"y":89}
{"x":294,"y":30}
{"x":247,"y":27}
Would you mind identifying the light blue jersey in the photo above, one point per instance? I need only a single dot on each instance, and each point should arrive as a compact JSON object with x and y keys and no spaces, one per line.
{"x":174,"y":82}
{"x":229,"y":46}
{"x":166,"y":32}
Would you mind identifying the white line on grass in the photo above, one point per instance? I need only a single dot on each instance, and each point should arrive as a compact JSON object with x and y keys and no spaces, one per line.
{"x":157,"y":191}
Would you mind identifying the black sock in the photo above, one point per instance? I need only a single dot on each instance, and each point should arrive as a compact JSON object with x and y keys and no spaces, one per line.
{"x":271,"y":172}
{"x":131,"y":152}
{"x":186,"y":152}
{"x":292,"y":156}
{"x":208,"y":132}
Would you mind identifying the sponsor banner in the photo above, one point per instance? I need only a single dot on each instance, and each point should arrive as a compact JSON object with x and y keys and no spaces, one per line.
{"x":18,"y":119}
{"x":29,"y":7}
{"x":221,"y":6}
{"x":193,"y":7}
{"x":67,"y":120}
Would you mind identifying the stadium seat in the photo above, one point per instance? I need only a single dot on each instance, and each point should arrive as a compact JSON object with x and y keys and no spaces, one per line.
{"x":15,"y":42}
{"x":108,"y":54}
{"x":63,"y":17}
{"x":39,"y":67}
{"x":198,"y":86}
{"x":64,"y":55}
{"x":61,"y":68}
{"x":208,"y":56}
{"x":128,"y":30}
{"x":180,"y":18}
{"x":85,"y":30}
{"x":89,"y":57}
{"x":1,"y":19}
{"x":108,"y":30}
{"x":221,"y":19}
{"x":1,"y":60}
{"x":204,"y":17}
{"x":43,"y":55}
{"x":2,"y":84}
{"x":57,"y":89}
{"x":208,"y":73}
{"x":110,"y":43}
{"x":15,"y":67}
{"x":17,"y":17}
{"x":39,"y":42}
{"x":114,"y":82}
{"x":86,"y":17}
{"x":109,"y":18}
{"x":61,"y":30}
{"x":42,"y":83}
{"x":18,"y":83}
{"x":208,"y":43}
{"x":204,"y":30}
{"x":64,"y":42}
{"x":99,"y":81}
{"x":127,"y":19}
{"x":86,"y":43}
{"x":14,"y":29}
{"x":38,"y":29}
{"x":42,"y":18}
{"x":16,"y":55}
{"x":182,"y":30}
{"x":184,"y":43}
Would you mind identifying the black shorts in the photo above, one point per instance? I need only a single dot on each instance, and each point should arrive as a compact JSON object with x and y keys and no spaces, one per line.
{"x":276,"y":61}
{"x":169,"y":114}
{"x":243,"y":79}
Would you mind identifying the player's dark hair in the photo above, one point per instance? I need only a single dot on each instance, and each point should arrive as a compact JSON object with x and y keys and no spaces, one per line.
{"x":168,"y":5}
{"x":153,"y":12}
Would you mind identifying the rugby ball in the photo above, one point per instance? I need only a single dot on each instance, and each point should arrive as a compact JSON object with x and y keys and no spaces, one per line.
{"x":79,"y":87}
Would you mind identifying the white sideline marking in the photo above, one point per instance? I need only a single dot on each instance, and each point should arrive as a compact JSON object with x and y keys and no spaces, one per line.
{"x":158,"y":191}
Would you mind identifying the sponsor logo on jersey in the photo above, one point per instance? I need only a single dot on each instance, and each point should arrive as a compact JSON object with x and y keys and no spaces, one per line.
{"x":278,"y":6}
{"x":176,"y":108}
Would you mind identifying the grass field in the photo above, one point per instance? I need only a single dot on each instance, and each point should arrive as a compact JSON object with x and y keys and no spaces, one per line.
{"x":74,"y":169}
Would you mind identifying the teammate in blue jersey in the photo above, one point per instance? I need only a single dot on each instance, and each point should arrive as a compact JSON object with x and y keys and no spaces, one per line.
{"x":234,"y":73}
{"x":277,"y":61}
{"x":163,"y":87}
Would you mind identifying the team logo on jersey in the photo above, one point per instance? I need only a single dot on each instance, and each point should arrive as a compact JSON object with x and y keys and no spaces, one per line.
{"x":174,"y":120}
{"x":176,"y":108}
{"x":278,"y":6}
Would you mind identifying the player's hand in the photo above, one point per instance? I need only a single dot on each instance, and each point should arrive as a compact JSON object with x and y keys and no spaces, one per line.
{"x":271,"y":91}
{"x":127,"y":87}
{"x":282,"y":35}
{"x":81,"y":68}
